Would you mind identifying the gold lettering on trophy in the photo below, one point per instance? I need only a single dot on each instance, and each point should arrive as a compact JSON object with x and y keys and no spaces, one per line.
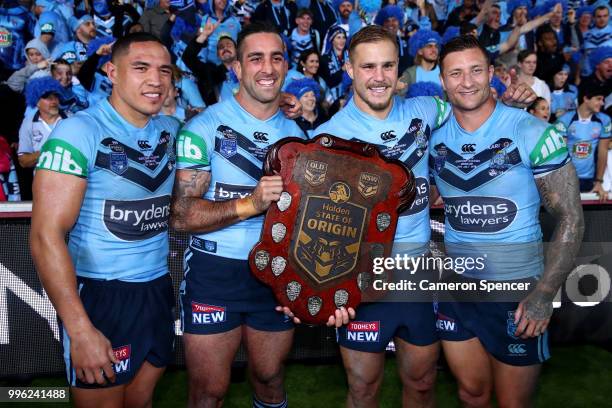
{"x":332,"y":228}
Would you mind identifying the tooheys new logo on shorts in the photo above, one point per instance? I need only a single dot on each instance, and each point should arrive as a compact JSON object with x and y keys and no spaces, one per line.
{"x":191,"y":149}
{"x":60,"y":156}
{"x":479,"y":214}
{"x":137,"y":219}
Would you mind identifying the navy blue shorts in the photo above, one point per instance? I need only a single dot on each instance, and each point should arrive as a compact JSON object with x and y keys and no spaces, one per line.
{"x":377,"y":323}
{"x":493,"y":324}
{"x":136,"y":317}
{"x":219,"y":294}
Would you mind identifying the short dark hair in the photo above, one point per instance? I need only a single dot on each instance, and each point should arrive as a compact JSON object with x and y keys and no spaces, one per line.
{"x":599,"y":8}
{"x":255,"y":28}
{"x":467,"y":27}
{"x":534,"y":104}
{"x":371,"y":34}
{"x":546,"y":28}
{"x":301,"y":12}
{"x":462,"y":43}
{"x":59,"y":61}
{"x":304,"y":57}
{"x":524,"y":54}
{"x":590,"y":90}
{"x":122,"y":45}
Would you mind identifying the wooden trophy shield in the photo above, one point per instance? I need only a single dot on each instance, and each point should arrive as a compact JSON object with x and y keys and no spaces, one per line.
{"x":338,"y":211}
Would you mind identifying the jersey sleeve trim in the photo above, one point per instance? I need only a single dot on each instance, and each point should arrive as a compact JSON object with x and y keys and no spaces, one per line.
{"x":542,"y":171}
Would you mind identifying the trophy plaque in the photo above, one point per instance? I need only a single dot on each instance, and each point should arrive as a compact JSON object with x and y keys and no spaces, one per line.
{"x":338,"y":211}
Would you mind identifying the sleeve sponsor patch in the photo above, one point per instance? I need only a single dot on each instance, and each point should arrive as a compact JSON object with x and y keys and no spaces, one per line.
{"x":550,"y":146}
{"x":443,"y":111}
{"x":191,"y":149}
{"x":62,"y":157}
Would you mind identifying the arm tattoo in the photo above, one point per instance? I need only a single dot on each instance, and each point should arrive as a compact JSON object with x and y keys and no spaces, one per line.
{"x":560,"y":195}
{"x":192,"y":213}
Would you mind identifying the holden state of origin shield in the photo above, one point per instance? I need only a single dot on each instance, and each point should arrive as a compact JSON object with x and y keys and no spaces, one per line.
{"x":337,"y":212}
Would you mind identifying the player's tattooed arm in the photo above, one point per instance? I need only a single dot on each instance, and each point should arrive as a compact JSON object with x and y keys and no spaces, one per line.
{"x":560,"y":195}
{"x":192,"y":213}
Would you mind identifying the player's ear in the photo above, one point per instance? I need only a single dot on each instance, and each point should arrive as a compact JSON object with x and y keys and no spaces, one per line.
{"x":111,"y":72}
{"x":349,"y":68}
{"x":491,"y":73}
{"x":237,"y":69}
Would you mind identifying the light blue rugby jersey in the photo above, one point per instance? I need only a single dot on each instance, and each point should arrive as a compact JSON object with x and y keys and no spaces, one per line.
{"x":121,"y":231}
{"x":403,"y":135}
{"x":487,"y":181}
{"x":582,"y":138}
{"x":231,"y":144}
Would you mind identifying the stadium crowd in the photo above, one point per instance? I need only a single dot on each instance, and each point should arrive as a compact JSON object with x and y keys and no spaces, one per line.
{"x":53,"y":55}
{"x":90,"y":87}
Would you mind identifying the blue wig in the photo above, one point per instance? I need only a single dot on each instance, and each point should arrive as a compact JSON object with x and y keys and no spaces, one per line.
{"x":512,"y":5}
{"x":421,"y":38}
{"x":300,"y":86}
{"x":450,"y":33}
{"x":96,"y":43}
{"x":388,"y":12}
{"x":584,"y":10}
{"x":337,"y":3}
{"x":425,"y":88}
{"x":498,"y":85}
{"x":598,"y":55}
{"x":544,"y":8}
{"x":370,"y":6}
{"x":38,"y":87}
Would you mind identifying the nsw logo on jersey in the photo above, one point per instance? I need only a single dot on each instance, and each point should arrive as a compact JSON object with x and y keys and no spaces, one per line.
{"x":363,"y":332}
{"x":479,"y":214}
{"x":122,"y":354}
{"x":136,"y":220}
{"x":207,"y":314}
{"x":60,"y":156}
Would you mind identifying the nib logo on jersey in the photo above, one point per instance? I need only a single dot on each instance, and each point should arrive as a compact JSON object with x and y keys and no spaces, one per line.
{"x":225,"y":191}
{"x":446,"y":324}
{"x":363,"y":332}
{"x":122,"y":354}
{"x":479,"y":214}
{"x":60,"y":156}
{"x":137,"y":219}
{"x":207,"y":314}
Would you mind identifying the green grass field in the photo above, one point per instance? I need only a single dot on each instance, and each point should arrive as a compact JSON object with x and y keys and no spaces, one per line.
{"x":575,"y":377}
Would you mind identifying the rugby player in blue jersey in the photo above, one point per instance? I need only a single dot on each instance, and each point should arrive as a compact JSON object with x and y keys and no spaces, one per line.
{"x":219,"y":197}
{"x":401,"y":129}
{"x":105,"y":177}
{"x":492,"y":194}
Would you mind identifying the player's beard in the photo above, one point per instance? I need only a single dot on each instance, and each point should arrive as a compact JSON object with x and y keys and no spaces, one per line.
{"x":375,"y":104}
{"x":262,"y":95}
